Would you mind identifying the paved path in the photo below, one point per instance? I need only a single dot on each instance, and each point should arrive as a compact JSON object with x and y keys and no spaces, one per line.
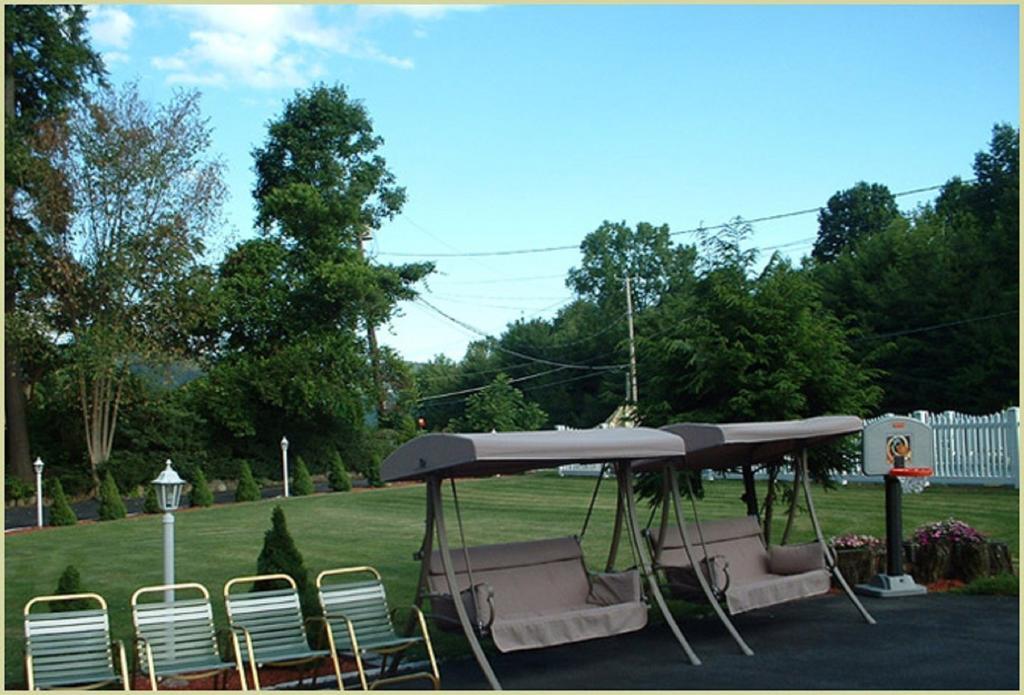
{"x":934,"y":642}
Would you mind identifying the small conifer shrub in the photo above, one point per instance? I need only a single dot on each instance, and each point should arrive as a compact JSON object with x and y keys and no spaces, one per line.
{"x":61,"y":513}
{"x":337,"y":476}
{"x":280,"y":556}
{"x":111,"y":504}
{"x":248,"y":489}
{"x":302,"y":483}
{"x":70,"y":582}
{"x":150,"y":504}
{"x":201,"y":495}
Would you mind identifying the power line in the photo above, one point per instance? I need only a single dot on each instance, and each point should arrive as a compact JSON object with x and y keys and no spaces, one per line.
{"x":935,"y":327}
{"x":481,"y":388}
{"x":467,"y":327}
{"x":527,"y":388}
{"x":694,"y":230}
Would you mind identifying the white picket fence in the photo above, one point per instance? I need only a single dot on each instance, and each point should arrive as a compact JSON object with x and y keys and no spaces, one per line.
{"x":972,"y":449}
{"x":969,"y":450}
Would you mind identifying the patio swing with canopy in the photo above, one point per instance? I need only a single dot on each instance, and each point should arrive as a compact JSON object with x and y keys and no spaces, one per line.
{"x":532,"y":594}
{"x":736,"y":568}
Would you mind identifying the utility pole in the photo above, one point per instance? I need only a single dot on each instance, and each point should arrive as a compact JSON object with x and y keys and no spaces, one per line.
{"x":371,"y":338}
{"x":632,"y":341}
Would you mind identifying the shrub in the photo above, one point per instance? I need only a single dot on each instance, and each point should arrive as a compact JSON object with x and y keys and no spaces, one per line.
{"x":150,"y":504}
{"x":17,"y":489}
{"x":70,"y":582}
{"x":337,"y":476}
{"x":248,"y":489}
{"x":61,"y":513}
{"x":951,"y":531}
{"x":998,"y":585}
{"x":111,"y":504}
{"x":280,"y":556}
{"x":302,"y":484}
{"x":201,"y":495}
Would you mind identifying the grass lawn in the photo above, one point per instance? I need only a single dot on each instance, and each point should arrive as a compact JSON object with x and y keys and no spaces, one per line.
{"x":384,"y":527}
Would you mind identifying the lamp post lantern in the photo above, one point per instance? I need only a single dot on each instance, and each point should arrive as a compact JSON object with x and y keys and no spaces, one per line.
{"x":38,"y":465}
{"x":284,"y":463}
{"x":168,"y":487}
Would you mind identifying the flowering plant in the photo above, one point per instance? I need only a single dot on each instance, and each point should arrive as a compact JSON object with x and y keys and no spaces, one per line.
{"x":854,"y":540}
{"x":951,"y":531}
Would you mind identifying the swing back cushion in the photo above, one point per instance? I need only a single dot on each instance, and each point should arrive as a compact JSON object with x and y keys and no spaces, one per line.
{"x":540,"y":594}
{"x":756,"y":578}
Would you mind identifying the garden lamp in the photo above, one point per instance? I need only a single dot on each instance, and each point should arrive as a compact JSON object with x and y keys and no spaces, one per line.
{"x":38,"y":465}
{"x":284,"y":463}
{"x":168,"y":486}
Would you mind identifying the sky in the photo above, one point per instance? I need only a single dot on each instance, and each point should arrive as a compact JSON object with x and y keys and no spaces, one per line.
{"x":518,"y":127}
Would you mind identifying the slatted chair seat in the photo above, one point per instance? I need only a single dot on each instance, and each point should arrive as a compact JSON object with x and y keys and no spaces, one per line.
{"x":361,"y":621}
{"x":179,"y":638}
{"x":271,"y":626}
{"x":72,"y":648}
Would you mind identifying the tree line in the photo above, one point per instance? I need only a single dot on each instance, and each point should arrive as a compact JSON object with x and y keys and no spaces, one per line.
{"x":125,"y":346}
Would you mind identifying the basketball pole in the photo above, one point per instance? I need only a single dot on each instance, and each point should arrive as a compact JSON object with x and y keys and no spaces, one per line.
{"x":893,"y":526}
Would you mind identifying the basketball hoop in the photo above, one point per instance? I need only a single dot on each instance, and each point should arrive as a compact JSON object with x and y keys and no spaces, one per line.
{"x":912,"y":480}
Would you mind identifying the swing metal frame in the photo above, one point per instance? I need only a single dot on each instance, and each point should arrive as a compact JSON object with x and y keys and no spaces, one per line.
{"x":433,"y":460}
{"x":773,"y":440}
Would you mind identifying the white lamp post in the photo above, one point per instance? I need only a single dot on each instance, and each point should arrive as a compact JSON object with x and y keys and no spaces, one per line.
{"x":38,"y":465}
{"x":284,"y":462}
{"x":168,"y":487}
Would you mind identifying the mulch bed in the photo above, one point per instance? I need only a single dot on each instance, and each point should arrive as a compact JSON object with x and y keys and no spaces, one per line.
{"x":268,"y":677}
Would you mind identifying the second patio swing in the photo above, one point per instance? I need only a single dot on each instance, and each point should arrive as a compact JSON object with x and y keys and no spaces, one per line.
{"x":535,"y":593}
{"x":736,"y":568}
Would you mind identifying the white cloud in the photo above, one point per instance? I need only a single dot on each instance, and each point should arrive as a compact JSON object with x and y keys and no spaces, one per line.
{"x":110,"y":26}
{"x":110,"y":57}
{"x":263,"y":46}
{"x":421,"y":12}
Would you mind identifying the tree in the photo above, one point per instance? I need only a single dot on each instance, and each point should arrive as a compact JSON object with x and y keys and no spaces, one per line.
{"x":295,"y":302}
{"x":111,"y":505}
{"x":61,"y":513}
{"x":70,"y":582}
{"x":128,"y":281}
{"x":337,"y":476}
{"x":49,"y":64}
{"x":248,"y":489}
{"x":646,"y":253}
{"x":502,"y":407}
{"x":933,"y":303}
{"x":201,"y":495}
{"x":851,"y":215}
{"x":150,"y":505}
{"x":745,"y":347}
{"x":302,"y":483}
{"x":279,"y":555}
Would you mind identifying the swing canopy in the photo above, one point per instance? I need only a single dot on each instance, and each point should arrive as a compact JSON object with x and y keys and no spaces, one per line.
{"x":469,"y":455}
{"x":710,"y":446}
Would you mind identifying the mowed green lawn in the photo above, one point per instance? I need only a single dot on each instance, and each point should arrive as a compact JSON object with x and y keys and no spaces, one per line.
{"x":384,"y":527}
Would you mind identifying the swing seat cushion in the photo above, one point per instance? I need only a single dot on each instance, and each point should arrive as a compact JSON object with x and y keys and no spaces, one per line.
{"x":542,"y":593}
{"x":755,"y":577}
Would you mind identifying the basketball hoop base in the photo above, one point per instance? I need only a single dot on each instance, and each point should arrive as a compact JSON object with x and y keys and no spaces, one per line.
{"x":889,"y":586}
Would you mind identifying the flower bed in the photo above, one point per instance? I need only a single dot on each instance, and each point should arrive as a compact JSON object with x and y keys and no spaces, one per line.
{"x":858,"y":556}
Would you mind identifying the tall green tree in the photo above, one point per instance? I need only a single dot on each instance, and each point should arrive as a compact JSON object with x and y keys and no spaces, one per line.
{"x":48,"y":67}
{"x":502,"y":407}
{"x":853,"y":214}
{"x":296,"y":303}
{"x":128,"y":280}
{"x":749,"y":346}
{"x":934,"y":303}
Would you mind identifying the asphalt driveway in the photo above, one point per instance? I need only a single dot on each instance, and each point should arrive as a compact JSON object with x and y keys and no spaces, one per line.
{"x":934,"y":642}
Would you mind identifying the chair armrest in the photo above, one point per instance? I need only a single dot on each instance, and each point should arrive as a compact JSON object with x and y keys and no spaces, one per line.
{"x":610,"y":588}
{"x":795,"y":559}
